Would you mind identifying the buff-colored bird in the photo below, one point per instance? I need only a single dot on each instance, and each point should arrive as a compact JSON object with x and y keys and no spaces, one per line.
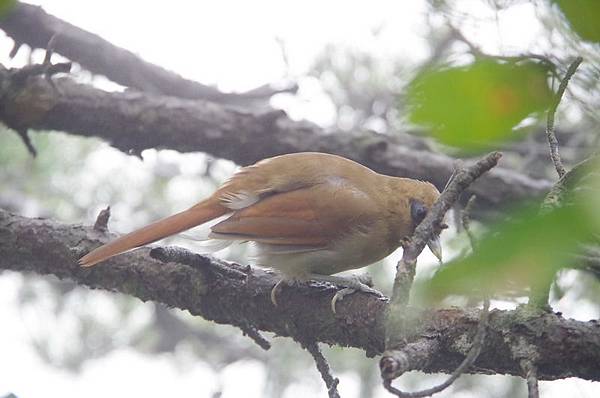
{"x":311,"y":215}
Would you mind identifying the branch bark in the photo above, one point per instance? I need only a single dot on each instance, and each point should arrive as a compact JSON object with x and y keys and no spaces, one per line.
{"x":231,"y":294}
{"x":133,"y":121}
{"x":31,"y":25}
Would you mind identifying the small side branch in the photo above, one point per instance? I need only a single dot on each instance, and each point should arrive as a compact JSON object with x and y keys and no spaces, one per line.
{"x":22,"y":133}
{"x":323,"y":367}
{"x":31,"y":25}
{"x":18,"y":78}
{"x":466,"y":220}
{"x":465,"y":364}
{"x":530,"y":371}
{"x":101,"y":223}
{"x":254,"y":334}
{"x":552,"y":140}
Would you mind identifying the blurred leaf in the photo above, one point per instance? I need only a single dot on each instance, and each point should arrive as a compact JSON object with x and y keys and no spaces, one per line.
{"x":583,"y":16}
{"x":6,"y":6}
{"x":515,"y":255}
{"x":475,"y":106}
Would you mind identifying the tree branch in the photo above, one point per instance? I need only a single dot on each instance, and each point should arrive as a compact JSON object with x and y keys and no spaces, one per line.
{"x":232,"y":294}
{"x":395,"y":361}
{"x":323,"y":367}
{"x":31,"y":25}
{"x":393,"y":371}
{"x":133,"y":121}
{"x":552,"y":141}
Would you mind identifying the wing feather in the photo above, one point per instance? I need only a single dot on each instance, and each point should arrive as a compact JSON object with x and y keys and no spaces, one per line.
{"x":314,"y":216}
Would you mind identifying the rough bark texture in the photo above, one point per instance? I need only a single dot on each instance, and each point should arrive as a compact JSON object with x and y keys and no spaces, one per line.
{"x":134,"y":121}
{"x":31,"y":25}
{"x":231,"y":294}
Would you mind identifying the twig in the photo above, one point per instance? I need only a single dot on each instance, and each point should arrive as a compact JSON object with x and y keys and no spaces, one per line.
{"x":16,"y":46}
{"x":101,"y":223}
{"x":31,"y":25}
{"x":466,"y":220}
{"x":465,"y":364}
{"x":251,"y":331}
{"x":47,"y":63}
{"x":22,"y":132}
{"x":323,"y":367}
{"x":46,"y":68}
{"x":557,"y":193}
{"x":552,"y":141}
{"x":18,"y":77}
{"x":531,"y":375}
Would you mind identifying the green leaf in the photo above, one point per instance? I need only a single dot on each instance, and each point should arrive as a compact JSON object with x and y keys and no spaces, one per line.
{"x":516,"y":255}
{"x":6,"y":6}
{"x":475,"y":107}
{"x":583,"y":17}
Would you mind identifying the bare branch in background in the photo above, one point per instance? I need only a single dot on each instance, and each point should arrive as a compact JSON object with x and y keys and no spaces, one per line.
{"x":31,"y":25}
{"x":137,"y":121}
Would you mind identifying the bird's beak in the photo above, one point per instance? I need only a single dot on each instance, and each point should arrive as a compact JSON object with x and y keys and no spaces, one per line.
{"x":435,"y":247}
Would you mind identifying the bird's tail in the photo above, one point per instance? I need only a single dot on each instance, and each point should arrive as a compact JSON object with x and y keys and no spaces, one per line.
{"x":194,"y":216}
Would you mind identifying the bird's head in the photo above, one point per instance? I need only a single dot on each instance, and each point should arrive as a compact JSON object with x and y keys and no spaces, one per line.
{"x":414,"y":199}
{"x":422,"y":199}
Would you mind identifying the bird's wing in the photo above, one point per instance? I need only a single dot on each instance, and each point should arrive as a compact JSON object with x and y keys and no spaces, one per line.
{"x":286,"y":173}
{"x":313,"y":216}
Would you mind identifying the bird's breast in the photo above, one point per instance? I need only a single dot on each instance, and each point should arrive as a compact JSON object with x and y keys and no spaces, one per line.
{"x":357,"y":249}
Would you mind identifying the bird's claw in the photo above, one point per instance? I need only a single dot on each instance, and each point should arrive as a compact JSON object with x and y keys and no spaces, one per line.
{"x":276,"y":290}
{"x":340,"y":294}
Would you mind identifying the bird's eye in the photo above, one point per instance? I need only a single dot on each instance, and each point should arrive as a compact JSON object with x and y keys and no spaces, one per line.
{"x":418,"y":211}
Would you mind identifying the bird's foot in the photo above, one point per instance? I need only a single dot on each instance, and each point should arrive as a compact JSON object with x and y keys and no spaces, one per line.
{"x":340,"y":294}
{"x":355,"y":283}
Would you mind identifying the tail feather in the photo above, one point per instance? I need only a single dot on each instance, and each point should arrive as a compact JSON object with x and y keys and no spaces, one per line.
{"x":160,"y":229}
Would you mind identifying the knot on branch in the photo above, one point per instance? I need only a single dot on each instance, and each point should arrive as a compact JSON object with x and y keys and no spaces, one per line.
{"x":101,"y":224}
{"x":14,"y":109}
{"x":393,"y":364}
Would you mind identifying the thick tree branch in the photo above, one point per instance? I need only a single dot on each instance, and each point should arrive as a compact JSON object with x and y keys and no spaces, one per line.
{"x":31,"y":25}
{"x":137,"y":121}
{"x":231,"y":294}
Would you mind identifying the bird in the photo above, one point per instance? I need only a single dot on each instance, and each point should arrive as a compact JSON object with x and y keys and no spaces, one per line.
{"x":310,"y":215}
